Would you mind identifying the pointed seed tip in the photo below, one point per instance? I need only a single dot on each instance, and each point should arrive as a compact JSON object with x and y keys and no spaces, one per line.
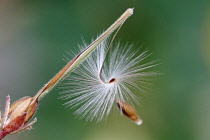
{"x":130,"y":10}
{"x":139,"y":122}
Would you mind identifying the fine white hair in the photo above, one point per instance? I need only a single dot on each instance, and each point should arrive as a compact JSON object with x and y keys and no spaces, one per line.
{"x":88,"y":87}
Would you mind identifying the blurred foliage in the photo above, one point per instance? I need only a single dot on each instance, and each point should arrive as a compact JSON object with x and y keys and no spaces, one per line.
{"x":35,"y":34}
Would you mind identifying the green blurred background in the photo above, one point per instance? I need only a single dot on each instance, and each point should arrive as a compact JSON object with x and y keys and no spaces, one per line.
{"x":34,"y":36}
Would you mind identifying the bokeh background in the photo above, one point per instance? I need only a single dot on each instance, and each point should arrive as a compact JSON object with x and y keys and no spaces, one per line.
{"x":34,"y":36}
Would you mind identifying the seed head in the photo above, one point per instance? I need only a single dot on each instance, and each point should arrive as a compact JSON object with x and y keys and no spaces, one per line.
{"x":104,"y":79}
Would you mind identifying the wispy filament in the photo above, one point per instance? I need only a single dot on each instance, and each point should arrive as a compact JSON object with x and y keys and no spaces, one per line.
{"x":79,"y":58}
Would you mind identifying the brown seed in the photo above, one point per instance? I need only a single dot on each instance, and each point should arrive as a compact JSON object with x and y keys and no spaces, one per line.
{"x":129,"y":112}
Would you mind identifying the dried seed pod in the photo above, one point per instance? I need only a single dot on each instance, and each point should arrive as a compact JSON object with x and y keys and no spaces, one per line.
{"x":15,"y":104}
{"x":129,"y":112}
{"x":24,"y":105}
{"x":15,"y":118}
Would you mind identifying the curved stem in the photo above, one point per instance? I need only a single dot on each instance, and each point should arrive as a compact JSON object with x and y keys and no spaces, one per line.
{"x":100,"y":73}
{"x":2,"y":134}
